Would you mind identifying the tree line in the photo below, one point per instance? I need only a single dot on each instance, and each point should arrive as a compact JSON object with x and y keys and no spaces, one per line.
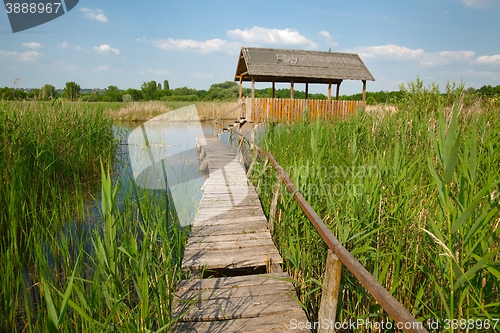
{"x":224,"y":91}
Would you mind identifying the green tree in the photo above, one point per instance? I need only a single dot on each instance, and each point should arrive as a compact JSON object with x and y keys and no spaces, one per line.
{"x":165,"y":85}
{"x":135,"y":93}
{"x":35,"y":94}
{"x":48,"y":92}
{"x":90,"y":97}
{"x":71,"y":91}
{"x":183,"y":91}
{"x":113,"y":94}
{"x":149,"y":90}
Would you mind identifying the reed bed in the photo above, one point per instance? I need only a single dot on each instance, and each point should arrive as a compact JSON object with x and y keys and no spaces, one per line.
{"x":143,"y":111}
{"x":414,"y":194}
{"x":61,"y":269}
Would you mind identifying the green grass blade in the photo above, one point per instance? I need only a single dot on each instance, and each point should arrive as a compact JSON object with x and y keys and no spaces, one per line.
{"x":472,"y":207}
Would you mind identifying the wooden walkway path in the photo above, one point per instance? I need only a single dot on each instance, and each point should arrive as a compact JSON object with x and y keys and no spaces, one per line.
{"x":230,"y":244}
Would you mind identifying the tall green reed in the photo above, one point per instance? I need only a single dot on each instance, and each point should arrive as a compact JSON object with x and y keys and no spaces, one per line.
{"x":367,"y":177}
{"x":133,"y":267}
{"x":48,"y":152}
{"x":61,"y":272}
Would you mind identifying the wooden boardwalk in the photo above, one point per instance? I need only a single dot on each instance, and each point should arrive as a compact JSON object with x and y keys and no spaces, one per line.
{"x":230,"y":244}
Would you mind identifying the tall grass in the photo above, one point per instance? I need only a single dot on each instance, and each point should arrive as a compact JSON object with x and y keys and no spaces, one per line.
{"x":413,"y":194}
{"x":133,"y":265}
{"x":60,"y":271}
{"x":143,"y":111}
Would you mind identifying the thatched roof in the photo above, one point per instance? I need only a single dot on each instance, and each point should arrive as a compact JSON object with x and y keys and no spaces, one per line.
{"x":276,"y":65}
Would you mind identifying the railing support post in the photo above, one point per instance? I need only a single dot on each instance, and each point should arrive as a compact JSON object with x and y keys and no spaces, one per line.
{"x":274,"y":205}
{"x":330,"y":293}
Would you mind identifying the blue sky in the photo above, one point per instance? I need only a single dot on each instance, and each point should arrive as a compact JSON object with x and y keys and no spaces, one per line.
{"x":196,"y":43}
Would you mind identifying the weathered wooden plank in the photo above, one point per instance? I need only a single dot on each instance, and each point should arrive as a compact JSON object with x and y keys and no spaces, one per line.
{"x":239,"y":307}
{"x":228,"y":221}
{"x":268,"y":324}
{"x":224,"y":230}
{"x":196,"y":261}
{"x":275,"y":287}
{"x":231,"y":237}
{"x":237,"y":220}
{"x":229,"y":212}
{"x":229,"y":282}
{"x":242,"y":244}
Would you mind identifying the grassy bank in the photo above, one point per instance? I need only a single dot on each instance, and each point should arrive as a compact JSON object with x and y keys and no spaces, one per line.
{"x":61,"y":271}
{"x":143,"y":111}
{"x":413,"y":194}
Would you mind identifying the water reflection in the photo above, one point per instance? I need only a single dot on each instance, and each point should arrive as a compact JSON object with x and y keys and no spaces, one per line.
{"x":181,"y":170}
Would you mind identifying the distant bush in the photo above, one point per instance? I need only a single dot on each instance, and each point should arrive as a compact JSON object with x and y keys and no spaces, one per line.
{"x":90,"y":98}
{"x":127,"y":98}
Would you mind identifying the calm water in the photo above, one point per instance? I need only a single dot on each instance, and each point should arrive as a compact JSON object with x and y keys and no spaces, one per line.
{"x":181,"y":166}
{"x":179,"y":170}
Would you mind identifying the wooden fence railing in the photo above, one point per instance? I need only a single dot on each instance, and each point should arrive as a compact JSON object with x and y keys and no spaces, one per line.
{"x":337,"y":255}
{"x":293,"y":110}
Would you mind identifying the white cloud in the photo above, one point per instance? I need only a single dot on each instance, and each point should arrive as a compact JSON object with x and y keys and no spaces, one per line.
{"x":493,"y":59}
{"x":160,"y":72}
{"x":427,"y":59}
{"x":260,"y":35}
{"x":94,"y":14}
{"x":388,"y":51}
{"x":446,"y":57}
{"x":203,"y":75}
{"x":329,"y":39}
{"x":25,"y":56}
{"x":477,"y":3}
{"x":29,"y":56}
{"x":8,"y":54}
{"x":102,"y":68}
{"x":33,"y":45}
{"x":64,"y":45}
{"x":81,"y":49}
{"x":212,"y":45}
{"x":106,"y":49}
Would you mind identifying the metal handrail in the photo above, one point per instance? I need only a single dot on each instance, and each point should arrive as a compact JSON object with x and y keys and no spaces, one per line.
{"x":381,"y":295}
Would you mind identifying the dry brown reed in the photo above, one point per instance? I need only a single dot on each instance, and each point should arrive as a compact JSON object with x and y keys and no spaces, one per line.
{"x":143,"y":111}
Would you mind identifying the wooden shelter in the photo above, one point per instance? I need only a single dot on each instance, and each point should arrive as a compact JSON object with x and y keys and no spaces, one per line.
{"x":299,"y":66}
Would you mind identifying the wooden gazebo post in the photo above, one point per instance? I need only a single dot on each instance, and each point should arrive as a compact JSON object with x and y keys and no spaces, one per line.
{"x":274,"y":89}
{"x":363,"y":99}
{"x":329,"y":91}
{"x":338,"y":91}
{"x":241,"y":87}
{"x":253,"y":88}
{"x":307,"y":90}
{"x":291,"y":89}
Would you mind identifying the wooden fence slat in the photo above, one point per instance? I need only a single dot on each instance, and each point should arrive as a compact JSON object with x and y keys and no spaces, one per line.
{"x":294,"y":110}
